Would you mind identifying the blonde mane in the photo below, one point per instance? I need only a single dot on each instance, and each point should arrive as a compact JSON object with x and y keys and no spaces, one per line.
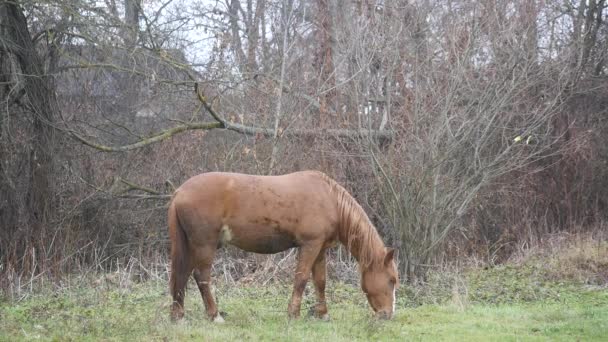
{"x":356,"y":231}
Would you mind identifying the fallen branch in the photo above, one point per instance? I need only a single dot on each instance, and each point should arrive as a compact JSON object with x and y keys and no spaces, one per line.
{"x":337,"y":133}
{"x":124,"y":193}
{"x":160,"y":136}
{"x":243,"y":129}
{"x":133,"y":186}
{"x":145,"y":197}
{"x":269,"y":132}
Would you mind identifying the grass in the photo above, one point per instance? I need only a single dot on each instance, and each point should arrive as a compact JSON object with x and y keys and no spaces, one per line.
{"x":141,"y":313}
{"x":532,"y":299}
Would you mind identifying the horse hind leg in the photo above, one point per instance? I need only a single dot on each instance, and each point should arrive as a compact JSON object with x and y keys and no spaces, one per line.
{"x":181,"y":265}
{"x":179,"y":279}
{"x":202,"y":276}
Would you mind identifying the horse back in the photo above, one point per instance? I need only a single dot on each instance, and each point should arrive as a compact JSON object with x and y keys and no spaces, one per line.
{"x":264,"y":214}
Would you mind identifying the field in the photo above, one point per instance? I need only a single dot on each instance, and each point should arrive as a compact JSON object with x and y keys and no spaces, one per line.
{"x":543,"y":297}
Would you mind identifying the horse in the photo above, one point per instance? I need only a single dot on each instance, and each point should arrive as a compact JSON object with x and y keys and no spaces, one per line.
{"x":306,"y":210}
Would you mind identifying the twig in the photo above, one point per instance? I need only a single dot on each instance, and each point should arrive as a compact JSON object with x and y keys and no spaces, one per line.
{"x":133,"y":186}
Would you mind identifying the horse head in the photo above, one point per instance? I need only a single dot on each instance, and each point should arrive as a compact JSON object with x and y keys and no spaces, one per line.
{"x":379,"y":282}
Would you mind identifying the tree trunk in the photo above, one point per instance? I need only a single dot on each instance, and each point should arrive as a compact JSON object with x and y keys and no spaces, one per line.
{"x":132,"y":10}
{"x":324,"y":63}
{"x":23,"y":67}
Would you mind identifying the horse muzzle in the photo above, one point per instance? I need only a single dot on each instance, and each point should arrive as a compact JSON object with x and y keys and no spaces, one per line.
{"x":385,"y":315}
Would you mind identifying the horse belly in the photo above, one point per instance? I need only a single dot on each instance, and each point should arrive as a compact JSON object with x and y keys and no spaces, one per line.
{"x":263,"y":241}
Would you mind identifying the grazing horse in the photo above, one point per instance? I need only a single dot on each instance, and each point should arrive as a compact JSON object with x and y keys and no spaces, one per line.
{"x":270,"y":214}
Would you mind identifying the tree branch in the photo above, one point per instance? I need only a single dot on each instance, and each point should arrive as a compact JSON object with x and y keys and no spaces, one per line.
{"x":269,"y":132}
{"x":223,"y":123}
{"x":133,"y":186}
{"x":150,"y":140}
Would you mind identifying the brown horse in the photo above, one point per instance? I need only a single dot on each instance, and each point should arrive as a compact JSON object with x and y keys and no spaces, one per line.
{"x":270,"y":214}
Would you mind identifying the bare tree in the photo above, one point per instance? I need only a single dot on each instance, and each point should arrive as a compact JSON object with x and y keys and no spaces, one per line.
{"x":26,"y":170}
{"x":474,"y":119}
{"x":424,"y":109}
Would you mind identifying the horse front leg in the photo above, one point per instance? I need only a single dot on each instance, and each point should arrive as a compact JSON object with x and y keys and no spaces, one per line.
{"x":306,"y":257}
{"x":319,"y":276}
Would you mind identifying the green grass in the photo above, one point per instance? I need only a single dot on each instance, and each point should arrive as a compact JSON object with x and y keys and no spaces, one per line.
{"x":140,"y":312}
{"x":560,"y":297}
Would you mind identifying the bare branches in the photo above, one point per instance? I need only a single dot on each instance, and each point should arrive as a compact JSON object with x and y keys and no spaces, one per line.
{"x":270,"y":132}
{"x":203,"y":100}
{"x":460,"y":137}
{"x":473,"y":95}
{"x":131,"y":186}
{"x":243,"y":129}
{"x":160,"y":136}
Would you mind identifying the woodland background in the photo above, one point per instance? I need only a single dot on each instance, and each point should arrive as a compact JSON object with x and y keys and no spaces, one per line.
{"x":465,"y":128}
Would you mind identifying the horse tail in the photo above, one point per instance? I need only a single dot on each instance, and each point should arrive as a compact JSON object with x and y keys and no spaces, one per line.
{"x":180,"y":259}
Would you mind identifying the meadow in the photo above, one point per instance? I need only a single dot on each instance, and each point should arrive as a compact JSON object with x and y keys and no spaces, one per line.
{"x":560,"y":296}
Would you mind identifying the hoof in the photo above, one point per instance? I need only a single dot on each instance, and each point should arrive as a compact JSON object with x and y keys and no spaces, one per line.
{"x":177,"y":311}
{"x":177,"y":315}
{"x":176,"y":318}
{"x":218,"y":319}
{"x":323,"y":315}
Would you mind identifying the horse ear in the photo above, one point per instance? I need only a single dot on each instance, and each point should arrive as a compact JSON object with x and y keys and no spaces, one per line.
{"x":390,"y":255}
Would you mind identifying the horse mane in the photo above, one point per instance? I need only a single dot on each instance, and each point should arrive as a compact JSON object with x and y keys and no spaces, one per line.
{"x":356,"y":230}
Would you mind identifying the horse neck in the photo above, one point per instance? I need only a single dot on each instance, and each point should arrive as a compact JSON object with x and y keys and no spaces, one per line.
{"x":357,"y":233}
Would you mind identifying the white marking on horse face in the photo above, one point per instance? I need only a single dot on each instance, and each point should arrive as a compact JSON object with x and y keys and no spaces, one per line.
{"x":394,"y":299}
{"x":218,"y":319}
